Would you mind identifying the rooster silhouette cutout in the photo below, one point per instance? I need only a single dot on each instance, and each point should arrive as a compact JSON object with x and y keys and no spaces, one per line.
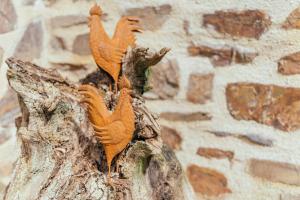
{"x":108,"y":52}
{"x":113,"y":130}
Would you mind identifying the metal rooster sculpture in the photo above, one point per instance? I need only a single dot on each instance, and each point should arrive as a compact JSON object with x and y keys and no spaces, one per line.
{"x":108,"y":52}
{"x":114,"y":130}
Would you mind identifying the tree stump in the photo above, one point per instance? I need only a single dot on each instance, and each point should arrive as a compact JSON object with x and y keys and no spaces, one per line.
{"x":60,"y":158}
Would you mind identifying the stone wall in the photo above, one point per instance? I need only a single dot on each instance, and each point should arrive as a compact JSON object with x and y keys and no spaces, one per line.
{"x":228,"y":93}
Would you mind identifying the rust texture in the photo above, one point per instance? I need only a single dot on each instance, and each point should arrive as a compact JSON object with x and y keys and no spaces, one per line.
{"x":114,"y":130}
{"x":108,"y":52}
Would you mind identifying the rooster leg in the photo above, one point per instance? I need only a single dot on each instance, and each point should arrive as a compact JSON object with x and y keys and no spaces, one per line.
{"x":113,"y":88}
{"x":122,"y":183}
{"x":109,"y":182}
{"x":116,"y":87}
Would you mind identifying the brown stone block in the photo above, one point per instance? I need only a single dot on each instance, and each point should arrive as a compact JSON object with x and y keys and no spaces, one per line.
{"x":267,"y":104}
{"x":8,"y":16}
{"x":57,"y":43}
{"x":164,"y":79}
{"x":222,"y":56}
{"x":65,"y":21}
{"x":31,"y":44}
{"x":9,"y":108}
{"x":81,"y":45}
{"x":293,"y":20}
{"x":207,"y":181}
{"x":200,"y":88}
{"x":275,"y":171}
{"x":152,"y":18}
{"x":246,"y":23}
{"x":171,"y":137}
{"x":185,"y":117}
{"x":290,"y":64}
{"x":256,"y":139}
{"x":215,"y":153}
{"x":249,"y":138}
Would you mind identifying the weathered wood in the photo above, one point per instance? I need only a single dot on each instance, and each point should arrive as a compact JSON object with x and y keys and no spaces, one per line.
{"x":60,"y":159}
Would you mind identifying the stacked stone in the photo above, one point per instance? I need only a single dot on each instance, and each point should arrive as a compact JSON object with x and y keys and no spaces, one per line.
{"x":227,"y":94}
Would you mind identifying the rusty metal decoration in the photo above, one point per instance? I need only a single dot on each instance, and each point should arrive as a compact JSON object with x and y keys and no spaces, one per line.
{"x":114,"y":130}
{"x":108,"y":52}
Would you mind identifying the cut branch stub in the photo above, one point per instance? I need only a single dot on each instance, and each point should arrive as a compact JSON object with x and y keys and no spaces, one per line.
{"x":136,"y":63}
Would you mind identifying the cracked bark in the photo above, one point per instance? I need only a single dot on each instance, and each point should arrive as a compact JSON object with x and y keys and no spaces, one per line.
{"x":60,"y":158}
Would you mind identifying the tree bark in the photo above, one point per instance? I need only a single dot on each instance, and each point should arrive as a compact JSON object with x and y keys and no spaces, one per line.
{"x":60,"y":158}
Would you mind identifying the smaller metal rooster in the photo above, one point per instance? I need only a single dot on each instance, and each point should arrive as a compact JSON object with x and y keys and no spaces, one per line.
{"x":113,"y":130}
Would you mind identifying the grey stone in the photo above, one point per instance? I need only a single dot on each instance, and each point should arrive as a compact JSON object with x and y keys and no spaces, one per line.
{"x":31,"y":44}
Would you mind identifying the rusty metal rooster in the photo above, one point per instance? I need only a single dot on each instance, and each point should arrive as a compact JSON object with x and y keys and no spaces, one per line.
{"x":113,"y":130}
{"x":108,"y":52}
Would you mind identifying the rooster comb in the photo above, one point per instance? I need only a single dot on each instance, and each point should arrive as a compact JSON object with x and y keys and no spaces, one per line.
{"x":96,"y":10}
